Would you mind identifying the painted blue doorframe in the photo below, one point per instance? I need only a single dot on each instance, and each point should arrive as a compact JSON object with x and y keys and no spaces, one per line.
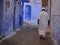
{"x":25,"y":1}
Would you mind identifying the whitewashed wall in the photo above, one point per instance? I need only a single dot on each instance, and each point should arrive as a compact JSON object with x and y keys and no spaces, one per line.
{"x":35,"y":10}
{"x":55,"y":20}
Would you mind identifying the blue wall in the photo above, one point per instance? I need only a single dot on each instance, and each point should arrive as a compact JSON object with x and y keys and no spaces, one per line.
{"x":1,"y":16}
{"x":16,"y":17}
{"x":21,"y":14}
{"x":7,"y":26}
{"x":9,"y":20}
{"x":5,"y":22}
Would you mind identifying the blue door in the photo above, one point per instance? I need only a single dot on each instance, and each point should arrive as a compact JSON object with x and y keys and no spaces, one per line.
{"x":27,"y":11}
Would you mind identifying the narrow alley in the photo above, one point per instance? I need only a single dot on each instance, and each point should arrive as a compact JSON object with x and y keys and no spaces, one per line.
{"x":29,"y":22}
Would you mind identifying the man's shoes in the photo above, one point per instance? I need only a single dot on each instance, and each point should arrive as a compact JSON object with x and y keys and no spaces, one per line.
{"x":43,"y":38}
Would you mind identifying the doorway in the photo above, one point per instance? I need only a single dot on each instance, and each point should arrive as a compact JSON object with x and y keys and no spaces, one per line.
{"x":31,"y":12}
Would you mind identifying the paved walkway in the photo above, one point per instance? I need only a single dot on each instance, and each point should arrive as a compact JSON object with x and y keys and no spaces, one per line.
{"x":27,"y":36}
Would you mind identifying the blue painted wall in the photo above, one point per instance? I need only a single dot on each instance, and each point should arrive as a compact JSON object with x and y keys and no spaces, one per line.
{"x":7,"y":26}
{"x":16,"y":17}
{"x":1,"y":16}
{"x":6,"y":20}
{"x":21,"y":14}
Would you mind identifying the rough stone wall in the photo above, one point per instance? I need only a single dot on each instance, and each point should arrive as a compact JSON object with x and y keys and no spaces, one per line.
{"x":55,"y":20}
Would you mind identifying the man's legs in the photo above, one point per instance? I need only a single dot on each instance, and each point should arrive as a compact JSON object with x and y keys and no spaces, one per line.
{"x":42,"y":34}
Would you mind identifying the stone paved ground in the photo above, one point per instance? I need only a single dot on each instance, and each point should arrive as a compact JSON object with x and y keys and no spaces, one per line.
{"x":27,"y":36}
